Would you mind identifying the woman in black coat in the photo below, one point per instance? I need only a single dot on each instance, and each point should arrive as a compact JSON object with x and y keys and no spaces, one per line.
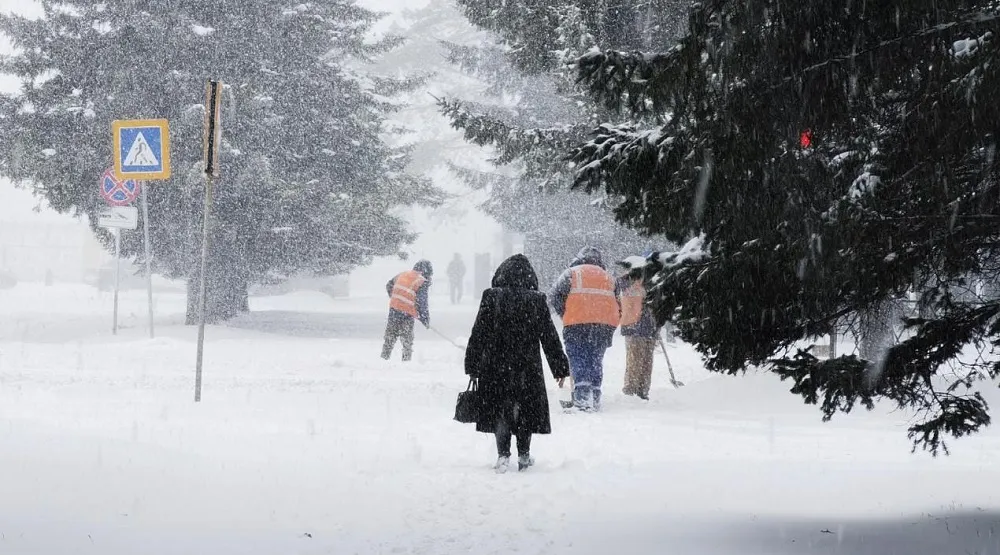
{"x":503,"y":355}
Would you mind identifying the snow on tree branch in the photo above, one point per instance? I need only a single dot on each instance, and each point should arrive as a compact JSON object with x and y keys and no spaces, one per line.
{"x":632,"y":82}
{"x":511,"y":142}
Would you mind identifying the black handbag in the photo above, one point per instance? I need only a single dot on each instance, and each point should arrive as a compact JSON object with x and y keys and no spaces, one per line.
{"x":469,"y":404}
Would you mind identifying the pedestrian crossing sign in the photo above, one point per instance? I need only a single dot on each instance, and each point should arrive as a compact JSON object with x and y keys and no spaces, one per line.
{"x":142,"y":149}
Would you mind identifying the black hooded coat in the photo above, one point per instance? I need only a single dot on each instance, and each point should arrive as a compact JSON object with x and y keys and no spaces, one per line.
{"x":503,"y":351}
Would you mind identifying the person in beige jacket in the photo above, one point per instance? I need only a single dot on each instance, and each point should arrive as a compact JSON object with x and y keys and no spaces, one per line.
{"x":638,"y":327}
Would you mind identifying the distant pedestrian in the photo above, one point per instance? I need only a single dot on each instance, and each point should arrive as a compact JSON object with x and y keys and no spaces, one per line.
{"x":456,"y":278}
{"x":503,"y":355}
{"x":408,"y":294}
{"x":641,"y":334}
{"x":586,"y":298}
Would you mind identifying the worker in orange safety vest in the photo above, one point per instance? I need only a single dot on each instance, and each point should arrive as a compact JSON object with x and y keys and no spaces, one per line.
{"x":408,"y":294}
{"x":585,"y":296}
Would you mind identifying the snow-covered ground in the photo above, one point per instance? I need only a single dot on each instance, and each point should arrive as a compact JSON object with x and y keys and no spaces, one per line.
{"x":306,"y":443}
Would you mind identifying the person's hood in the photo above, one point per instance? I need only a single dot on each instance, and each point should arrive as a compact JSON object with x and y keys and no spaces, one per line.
{"x":425,"y":268}
{"x":516,"y":272}
{"x":589,"y":255}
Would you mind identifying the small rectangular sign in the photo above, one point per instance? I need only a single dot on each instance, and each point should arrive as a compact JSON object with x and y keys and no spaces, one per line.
{"x":213,"y":127}
{"x":118,"y":217}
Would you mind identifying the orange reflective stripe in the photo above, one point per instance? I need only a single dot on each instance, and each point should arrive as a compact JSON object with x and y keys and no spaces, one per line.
{"x":600,"y":292}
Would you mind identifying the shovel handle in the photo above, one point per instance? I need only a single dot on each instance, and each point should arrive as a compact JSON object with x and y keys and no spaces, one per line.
{"x":445,"y":337}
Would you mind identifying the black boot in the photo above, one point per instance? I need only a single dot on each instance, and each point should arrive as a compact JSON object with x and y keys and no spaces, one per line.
{"x":524,"y":461}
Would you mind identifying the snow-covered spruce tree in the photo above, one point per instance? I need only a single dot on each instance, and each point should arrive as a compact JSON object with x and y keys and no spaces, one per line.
{"x":530,"y":193}
{"x":549,"y":113}
{"x":829,"y":156}
{"x":555,"y":224}
{"x":307,"y":185}
{"x":434,"y":143}
{"x":533,"y":30}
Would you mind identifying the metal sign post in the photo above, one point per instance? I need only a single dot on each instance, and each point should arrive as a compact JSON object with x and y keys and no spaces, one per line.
{"x":118,"y":250}
{"x":203,"y":296}
{"x":149,"y":256}
{"x":142,"y":151}
{"x":118,"y":215}
{"x":213,"y":135}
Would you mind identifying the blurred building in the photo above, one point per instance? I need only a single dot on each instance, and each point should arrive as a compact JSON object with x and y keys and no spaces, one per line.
{"x":38,"y":244}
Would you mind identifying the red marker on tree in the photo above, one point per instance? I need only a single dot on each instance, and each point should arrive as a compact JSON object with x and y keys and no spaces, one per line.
{"x":806,"y":138}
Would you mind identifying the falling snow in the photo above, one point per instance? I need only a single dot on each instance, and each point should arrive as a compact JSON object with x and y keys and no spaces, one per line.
{"x":795,"y":281}
{"x":201,"y":31}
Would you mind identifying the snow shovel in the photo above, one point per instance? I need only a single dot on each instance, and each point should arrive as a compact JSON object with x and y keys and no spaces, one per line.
{"x":673,"y":379}
{"x":446,"y":338}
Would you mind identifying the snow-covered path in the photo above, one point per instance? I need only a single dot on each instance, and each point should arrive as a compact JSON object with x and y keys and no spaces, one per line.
{"x":305,"y":444}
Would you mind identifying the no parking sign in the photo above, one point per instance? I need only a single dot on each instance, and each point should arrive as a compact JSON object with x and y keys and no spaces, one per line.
{"x":117,"y":192}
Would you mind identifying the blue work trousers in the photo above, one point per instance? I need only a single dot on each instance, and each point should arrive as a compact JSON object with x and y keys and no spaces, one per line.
{"x":586,"y":363}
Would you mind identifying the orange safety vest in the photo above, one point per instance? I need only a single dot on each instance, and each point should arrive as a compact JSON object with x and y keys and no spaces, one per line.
{"x":632,"y":301}
{"x":591,"y":297}
{"x":404,"y":292}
